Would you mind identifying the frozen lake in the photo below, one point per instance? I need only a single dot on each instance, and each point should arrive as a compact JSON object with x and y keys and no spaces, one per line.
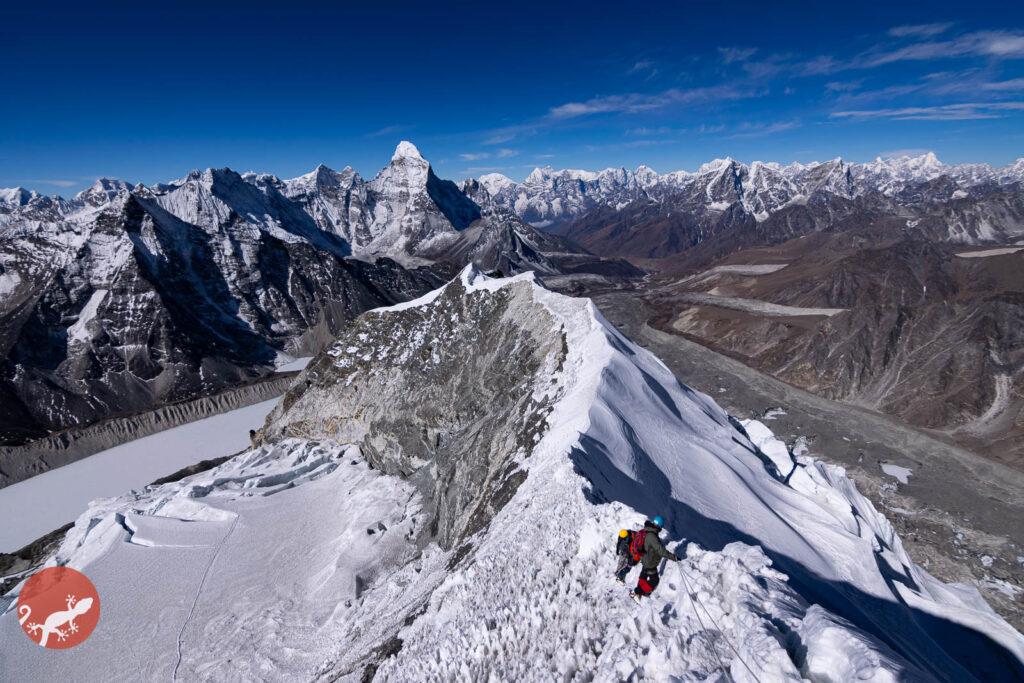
{"x":47,"y":501}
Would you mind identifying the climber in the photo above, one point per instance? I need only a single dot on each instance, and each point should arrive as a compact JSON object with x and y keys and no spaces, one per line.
{"x":642,"y":546}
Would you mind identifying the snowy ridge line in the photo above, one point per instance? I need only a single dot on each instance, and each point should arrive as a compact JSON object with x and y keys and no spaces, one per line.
{"x":547,"y":196}
{"x":330,"y":560}
{"x":839,"y":517}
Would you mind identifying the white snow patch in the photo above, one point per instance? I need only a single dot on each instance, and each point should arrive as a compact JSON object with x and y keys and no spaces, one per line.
{"x":79,"y":331}
{"x":9,"y":281}
{"x":989,"y":252}
{"x":837,"y":651}
{"x":1001,"y":585}
{"x":900,"y":473}
{"x":758,"y":307}
{"x":765,"y":440}
{"x":748,"y":268}
{"x":295,"y":364}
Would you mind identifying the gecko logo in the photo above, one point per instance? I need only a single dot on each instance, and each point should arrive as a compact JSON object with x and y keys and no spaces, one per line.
{"x":58,"y":607}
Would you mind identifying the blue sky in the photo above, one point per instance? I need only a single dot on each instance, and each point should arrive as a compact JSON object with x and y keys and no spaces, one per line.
{"x":147,"y":91}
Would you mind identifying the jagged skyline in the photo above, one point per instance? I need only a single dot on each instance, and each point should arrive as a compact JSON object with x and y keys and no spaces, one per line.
{"x":486,"y":89}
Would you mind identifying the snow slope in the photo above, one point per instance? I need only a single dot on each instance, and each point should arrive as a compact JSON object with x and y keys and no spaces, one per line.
{"x":298,"y":560}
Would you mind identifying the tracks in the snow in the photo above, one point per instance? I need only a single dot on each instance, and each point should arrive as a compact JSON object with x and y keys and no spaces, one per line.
{"x":195,"y":599}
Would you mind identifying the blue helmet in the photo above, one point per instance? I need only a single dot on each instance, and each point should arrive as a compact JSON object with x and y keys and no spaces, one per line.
{"x":659,"y":520}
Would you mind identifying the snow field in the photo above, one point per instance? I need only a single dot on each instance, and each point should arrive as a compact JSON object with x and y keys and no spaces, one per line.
{"x":758,"y":307}
{"x":254,"y":570}
{"x":69,"y":489}
{"x":1001,"y":251}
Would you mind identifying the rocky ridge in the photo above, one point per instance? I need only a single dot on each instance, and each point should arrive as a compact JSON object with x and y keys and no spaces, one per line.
{"x":126,"y":298}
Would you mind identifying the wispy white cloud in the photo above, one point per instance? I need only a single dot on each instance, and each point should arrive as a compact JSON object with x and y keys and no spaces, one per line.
{"x":964,"y":111}
{"x":644,"y":67}
{"x":993,"y":44}
{"x":906,"y":152}
{"x":56,"y":182}
{"x":753,"y":130}
{"x":633,"y":103}
{"x":736,"y":54}
{"x":473,"y":170}
{"x":937,"y":96}
{"x":919,"y":30}
{"x":389,"y":130}
{"x":500,"y":137}
{"x":503,"y":153}
{"x":1004,"y":44}
{"x":632,"y":144}
{"x":644,"y":131}
{"x":1003,"y":86}
{"x":844,"y":86}
{"x":709,"y":128}
{"x":937,"y":85}
{"x":668,"y":131}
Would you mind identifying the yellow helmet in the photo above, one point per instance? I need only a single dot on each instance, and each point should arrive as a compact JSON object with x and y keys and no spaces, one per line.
{"x":623,"y":533}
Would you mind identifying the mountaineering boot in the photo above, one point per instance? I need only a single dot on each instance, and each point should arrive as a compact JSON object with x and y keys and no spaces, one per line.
{"x":636,"y":596}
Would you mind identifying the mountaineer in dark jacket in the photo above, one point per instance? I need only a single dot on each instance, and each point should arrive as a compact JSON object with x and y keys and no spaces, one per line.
{"x":645,"y":547}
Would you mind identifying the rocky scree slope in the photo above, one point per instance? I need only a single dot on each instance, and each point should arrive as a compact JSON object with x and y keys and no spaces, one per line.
{"x":918,"y":332}
{"x":465,"y":529}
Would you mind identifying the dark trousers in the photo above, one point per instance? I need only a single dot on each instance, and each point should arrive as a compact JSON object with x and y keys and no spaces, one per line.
{"x":648,"y":581}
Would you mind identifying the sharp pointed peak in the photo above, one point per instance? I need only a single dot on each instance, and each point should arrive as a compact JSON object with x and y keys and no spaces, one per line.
{"x":407,"y":150}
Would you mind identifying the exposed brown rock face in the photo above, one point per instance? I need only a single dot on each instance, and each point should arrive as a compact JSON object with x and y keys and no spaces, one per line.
{"x":909,"y":329}
{"x":439,"y":393}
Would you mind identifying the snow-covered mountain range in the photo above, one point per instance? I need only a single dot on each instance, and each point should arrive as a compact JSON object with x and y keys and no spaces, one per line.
{"x":406,"y":213}
{"x":437,"y":498}
{"x":129,"y":297}
{"x":549,"y":198}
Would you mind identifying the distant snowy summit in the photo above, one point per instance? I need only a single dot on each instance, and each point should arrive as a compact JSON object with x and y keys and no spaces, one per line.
{"x":547,"y":196}
{"x":127,"y":297}
{"x":405,"y":212}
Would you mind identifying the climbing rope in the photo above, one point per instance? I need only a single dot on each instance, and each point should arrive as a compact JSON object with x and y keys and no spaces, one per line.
{"x":694,"y":600}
